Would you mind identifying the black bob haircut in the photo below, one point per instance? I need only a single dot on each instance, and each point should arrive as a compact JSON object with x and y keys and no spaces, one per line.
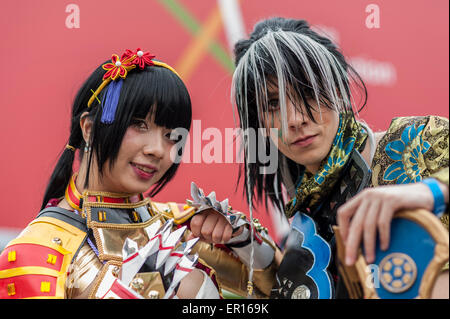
{"x":155,"y":89}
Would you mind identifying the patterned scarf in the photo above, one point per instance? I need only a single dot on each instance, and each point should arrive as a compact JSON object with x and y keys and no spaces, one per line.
{"x":313,"y":189}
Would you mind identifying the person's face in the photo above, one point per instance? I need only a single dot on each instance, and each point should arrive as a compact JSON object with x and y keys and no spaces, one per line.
{"x":305,"y":142}
{"x":144,"y":157}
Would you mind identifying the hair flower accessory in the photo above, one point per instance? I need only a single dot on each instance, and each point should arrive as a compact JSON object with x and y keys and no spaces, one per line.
{"x":117,"y":71}
{"x":118,"y":67}
{"x":140,"y":58}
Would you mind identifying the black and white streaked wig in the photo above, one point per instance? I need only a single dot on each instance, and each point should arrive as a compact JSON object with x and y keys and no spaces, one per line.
{"x":301,"y":65}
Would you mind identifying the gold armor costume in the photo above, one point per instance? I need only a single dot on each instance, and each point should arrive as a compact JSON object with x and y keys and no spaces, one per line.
{"x":53,"y":259}
{"x":67,"y":265}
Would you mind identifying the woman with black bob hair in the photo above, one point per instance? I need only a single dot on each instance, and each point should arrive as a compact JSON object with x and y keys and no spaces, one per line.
{"x":333,"y":169}
{"x":101,"y":238}
{"x":154,"y":91}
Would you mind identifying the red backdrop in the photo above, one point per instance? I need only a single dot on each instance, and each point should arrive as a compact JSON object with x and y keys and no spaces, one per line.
{"x":45,"y":56}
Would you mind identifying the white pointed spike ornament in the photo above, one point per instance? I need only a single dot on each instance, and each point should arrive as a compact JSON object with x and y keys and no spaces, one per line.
{"x":177,"y":254}
{"x":185,"y":265}
{"x":202,"y":202}
{"x":168,"y":245}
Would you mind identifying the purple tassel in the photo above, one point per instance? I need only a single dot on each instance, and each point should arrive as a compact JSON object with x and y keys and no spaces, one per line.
{"x":110,"y":101}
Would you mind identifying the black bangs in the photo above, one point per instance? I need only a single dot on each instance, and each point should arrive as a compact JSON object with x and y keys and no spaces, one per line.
{"x":299,"y":89}
{"x":158,"y":91}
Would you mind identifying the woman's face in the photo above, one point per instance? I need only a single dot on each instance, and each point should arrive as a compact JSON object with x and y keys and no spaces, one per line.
{"x":144,"y":157}
{"x":305,"y":142}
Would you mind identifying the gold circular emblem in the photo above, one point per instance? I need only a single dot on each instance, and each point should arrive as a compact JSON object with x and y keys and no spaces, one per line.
{"x":153,"y":294}
{"x":137,"y":284}
{"x":398,"y":272}
{"x":301,"y":292}
{"x":116,"y":271}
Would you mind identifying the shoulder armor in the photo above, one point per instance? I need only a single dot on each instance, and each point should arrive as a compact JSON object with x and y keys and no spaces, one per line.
{"x":179,"y":212}
{"x":35,"y":264}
